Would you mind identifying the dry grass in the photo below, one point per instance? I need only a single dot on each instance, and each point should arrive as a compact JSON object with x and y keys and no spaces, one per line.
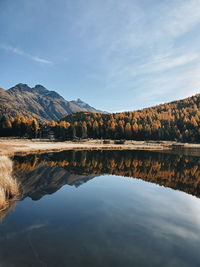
{"x":9,"y":188}
{"x":13,"y":146}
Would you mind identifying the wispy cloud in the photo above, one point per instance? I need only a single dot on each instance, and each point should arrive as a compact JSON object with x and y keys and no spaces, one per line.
{"x":160,"y":63}
{"x":184,"y":15}
{"x":20,"y":52}
{"x":176,"y":85}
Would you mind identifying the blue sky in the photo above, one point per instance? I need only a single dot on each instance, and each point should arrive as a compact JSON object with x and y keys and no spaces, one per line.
{"x":116,"y":55}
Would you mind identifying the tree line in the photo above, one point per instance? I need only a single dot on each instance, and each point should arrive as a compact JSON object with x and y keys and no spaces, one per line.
{"x":19,"y":126}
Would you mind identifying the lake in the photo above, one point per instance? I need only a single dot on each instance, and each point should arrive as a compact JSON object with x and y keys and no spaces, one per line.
{"x":103,"y":208}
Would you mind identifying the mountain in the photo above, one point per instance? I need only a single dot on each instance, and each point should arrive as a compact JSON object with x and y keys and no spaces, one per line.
{"x":85,"y":106}
{"x":39,"y":103}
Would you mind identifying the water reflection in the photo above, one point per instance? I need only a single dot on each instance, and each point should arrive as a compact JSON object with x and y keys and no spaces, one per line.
{"x":46,"y":173}
{"x":109,"y":221}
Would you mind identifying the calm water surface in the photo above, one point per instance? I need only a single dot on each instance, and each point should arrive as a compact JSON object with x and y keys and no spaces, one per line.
{"x":119,"y":208}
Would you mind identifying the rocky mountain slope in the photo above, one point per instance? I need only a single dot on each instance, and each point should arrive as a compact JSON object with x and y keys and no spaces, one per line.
{"x":39,"y":103}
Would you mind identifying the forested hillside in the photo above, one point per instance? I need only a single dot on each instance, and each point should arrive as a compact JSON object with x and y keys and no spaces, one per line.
{"x":178,"y":120}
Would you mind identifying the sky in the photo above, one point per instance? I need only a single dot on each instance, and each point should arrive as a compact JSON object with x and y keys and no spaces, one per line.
{"x":116,"y":55}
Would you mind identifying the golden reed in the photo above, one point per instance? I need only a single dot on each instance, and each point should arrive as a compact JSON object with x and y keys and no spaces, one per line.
{"x":9,"y":188}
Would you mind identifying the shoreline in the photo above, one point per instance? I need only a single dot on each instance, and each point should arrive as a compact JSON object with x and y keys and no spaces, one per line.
{"x":12,"y":146}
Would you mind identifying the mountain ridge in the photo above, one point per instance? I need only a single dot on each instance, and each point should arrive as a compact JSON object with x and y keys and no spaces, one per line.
{"x":38,"y":102}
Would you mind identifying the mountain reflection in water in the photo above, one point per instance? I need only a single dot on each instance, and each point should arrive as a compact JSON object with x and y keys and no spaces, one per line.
{"x":46,"y":173}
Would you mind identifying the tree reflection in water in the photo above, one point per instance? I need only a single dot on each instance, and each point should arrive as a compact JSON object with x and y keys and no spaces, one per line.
{"x":181,"y":172}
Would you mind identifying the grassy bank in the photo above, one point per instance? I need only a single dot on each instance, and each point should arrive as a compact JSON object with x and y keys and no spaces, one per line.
{"x":9,"y":188}
{"x":11,"y":146}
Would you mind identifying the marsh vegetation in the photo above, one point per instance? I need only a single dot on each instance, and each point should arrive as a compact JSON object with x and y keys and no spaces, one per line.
{"x":9,"y":187}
